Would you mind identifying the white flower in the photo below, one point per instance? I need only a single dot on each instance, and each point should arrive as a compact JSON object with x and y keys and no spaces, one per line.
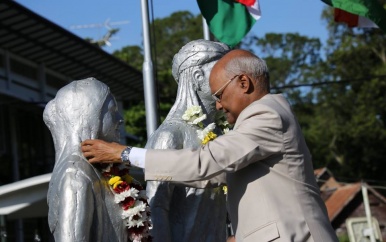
{"x":197,"y":120}
{"x":210,"y":127}
{"x":119,"y":197}
{"x":136,"y":238}
{"x":201,"y":134}
{"x":194,"y":115}
{"x":224,"y":123}
{"x":191,"y":111}
{"x":137,"y":222}
{"x":139,"y":206}
{"x":107,"y":169}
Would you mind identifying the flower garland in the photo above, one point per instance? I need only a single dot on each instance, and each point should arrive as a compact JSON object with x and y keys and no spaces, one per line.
{"x":194,"y":116}
{"x":130,"y":194}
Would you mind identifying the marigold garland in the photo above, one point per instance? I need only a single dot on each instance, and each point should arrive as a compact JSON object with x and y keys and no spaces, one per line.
{"x":131,"y":196}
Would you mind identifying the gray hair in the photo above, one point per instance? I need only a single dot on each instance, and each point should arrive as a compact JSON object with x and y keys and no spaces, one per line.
{"x":253,"y":66}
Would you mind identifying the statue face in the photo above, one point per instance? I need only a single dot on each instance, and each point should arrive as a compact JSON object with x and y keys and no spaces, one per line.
{"x":205,"y":93}
{"x":111,"y":120}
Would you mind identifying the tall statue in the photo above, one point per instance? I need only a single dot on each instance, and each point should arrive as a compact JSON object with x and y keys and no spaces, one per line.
{"x":183,"y":213}
{"x":81,"y":204}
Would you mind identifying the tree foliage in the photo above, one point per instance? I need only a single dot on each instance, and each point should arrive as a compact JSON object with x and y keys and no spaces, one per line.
{"x":132,"y":55}
{"x":168,"y":35}
{"x":337,"y":91}
{"x":352,"y":114}
{"x":291,"y":59}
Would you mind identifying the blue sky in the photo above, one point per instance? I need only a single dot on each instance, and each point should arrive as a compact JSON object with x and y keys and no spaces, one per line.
{"x":279,"y":16}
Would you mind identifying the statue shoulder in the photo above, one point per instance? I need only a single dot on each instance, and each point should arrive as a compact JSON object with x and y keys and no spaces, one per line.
{"x":74,"y":169}
{"x":171,"y":134}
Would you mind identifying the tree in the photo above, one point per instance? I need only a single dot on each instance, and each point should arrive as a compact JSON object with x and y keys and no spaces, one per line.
{"x":344,"y":120}
{"x":291,"y":59}
{"x":350,"y":116}
{"x":168,"y":34}
{"x":132,"y":55}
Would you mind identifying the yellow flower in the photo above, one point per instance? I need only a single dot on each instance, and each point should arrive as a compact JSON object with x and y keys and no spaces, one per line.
{"x":218,"y":189}
{"x":210,"y":136}
{"x":116,"y":184}
{"x":127,"y":178}
{"x":114,"y":180}
{"x":225,"y":189}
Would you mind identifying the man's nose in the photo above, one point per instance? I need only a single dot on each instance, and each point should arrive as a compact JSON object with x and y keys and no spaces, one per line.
{"x":218,"y":106}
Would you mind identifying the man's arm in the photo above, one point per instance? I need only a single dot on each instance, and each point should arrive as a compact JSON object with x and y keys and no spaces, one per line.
{"x":99,"y":151}
{"x":258,"y":136}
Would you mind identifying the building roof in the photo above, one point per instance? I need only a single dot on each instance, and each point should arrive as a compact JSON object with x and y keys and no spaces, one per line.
{"x":340,"y":198}
{"x":28,"y":198}
{"x":318,"y":172}
{"x":33,"y":37}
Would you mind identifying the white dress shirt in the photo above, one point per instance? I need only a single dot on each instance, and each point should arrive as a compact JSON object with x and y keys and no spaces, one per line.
{"x":137,"y":157}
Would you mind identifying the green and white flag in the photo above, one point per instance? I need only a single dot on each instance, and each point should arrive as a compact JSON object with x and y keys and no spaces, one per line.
{"x":228,"y":20}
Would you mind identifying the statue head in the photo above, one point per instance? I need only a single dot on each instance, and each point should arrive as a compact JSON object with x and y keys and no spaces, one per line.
{"x":83,"y":109}
{"x":191,"y":68}
{"x":197,"y":53}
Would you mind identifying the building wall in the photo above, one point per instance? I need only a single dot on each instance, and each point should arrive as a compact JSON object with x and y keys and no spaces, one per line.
{"x":26,"y":146}
{"x":356,"y":209}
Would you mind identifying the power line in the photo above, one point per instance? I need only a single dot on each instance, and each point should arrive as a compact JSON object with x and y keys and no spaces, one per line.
{"x":339,"y":181}
{"x":328,"y":82}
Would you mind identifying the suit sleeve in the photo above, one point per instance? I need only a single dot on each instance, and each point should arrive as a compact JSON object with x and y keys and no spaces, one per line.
{"x":258,"y":134}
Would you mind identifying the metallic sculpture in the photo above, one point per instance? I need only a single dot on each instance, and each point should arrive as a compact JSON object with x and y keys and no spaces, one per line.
{"x":81,"y":205}
{"x":181,"y":213}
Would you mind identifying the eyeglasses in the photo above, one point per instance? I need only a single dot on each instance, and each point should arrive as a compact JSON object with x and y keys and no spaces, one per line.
{"x":217,"y":96}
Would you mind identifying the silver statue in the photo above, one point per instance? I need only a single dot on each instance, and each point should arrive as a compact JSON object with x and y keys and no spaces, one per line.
{"x":81,"y":205}
{"x":182,"y":213}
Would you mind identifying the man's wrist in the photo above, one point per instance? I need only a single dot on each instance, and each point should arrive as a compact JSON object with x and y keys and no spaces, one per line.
{"x":125,"y":154}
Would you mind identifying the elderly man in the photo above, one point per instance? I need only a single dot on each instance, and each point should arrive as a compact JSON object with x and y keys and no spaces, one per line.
{"x":272,"y":192}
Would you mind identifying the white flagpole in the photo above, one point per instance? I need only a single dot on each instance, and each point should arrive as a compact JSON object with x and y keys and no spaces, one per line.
{"x":205,"y":29}
{"x":370,"y":230}
{"x":148,"y":75}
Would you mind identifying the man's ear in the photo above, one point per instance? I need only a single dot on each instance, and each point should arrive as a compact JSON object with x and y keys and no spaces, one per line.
{"x":245,"y":83}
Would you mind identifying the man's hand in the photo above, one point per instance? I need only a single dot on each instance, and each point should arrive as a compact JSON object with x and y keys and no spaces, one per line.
{"x":99,"y":151}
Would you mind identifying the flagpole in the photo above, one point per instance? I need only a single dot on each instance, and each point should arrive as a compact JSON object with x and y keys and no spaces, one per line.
{"x":205,"y":29}
{"x":148,"y":75}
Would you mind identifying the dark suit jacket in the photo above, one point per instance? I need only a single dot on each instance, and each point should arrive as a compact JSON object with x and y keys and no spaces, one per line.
{"x":272,"y":192}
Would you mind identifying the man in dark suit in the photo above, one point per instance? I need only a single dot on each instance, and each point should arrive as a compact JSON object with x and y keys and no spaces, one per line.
{"x":272,"y":192}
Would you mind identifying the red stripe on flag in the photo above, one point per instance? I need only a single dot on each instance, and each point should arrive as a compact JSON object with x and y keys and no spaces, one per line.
{"x":248,"y":3}
{"x":345,"y":17}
